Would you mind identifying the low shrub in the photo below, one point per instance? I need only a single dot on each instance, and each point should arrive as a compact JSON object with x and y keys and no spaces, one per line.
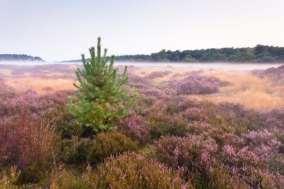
{"x":274,"y":119}
{"x":110,"y":143}
{"x":6,"y":92}
{"x":195,"y":155}
{"x":145,"y":87}
{"x":136,"y":128}
{"x":221,"y":179}
{"x":178,"y":104}
{"x":239,"y":118}
{"x":245,"y":164}
{"x":262,"y":142}
{"x":196,"y":84}
{"x":32,"y":104}
{"x":275,"y":74}
{"x":157,"y":74}
{"x":8,"y":178}
{"x":75,"y":150}
{"x":86,"y":150}
{"x":28,"y":145}
{"x":276,"y":164}
{"x":230,"y":118}
{"x":130,"y":171}
{"x":68,"y":127}
{"x":64,"y":179}
{"x":166,"y":125}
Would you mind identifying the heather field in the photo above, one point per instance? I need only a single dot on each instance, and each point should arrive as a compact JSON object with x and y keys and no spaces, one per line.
{"x":184,"y":128}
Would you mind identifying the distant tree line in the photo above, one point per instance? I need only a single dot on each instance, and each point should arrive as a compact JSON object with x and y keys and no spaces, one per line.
{"x":260,"y":53}
{"x":18,"y":57}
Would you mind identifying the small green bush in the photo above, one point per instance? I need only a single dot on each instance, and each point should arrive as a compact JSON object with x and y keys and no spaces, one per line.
{"x":110,"y":143}
{"x":166,"y":125}
{"x":83,"y":150}
{"x":101,"y":98}
{"x":130,"y":171}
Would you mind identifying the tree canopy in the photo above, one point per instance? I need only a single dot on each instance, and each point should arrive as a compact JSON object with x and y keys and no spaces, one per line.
{"x":260,"y":53}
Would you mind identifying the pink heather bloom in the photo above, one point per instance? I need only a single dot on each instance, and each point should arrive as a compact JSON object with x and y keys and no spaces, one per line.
{"x":263,"y":143}
{"x":229,"y":150}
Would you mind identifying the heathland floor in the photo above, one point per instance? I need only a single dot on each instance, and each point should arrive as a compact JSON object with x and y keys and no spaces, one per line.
{"x":185,"y":129}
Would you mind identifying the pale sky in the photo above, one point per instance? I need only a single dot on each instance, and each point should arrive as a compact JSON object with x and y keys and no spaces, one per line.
{"x":63,"y":29}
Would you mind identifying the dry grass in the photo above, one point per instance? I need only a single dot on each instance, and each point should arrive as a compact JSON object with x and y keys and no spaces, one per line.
{"x":40,"y":85}
{"x":248,"y":90}
{"x":5,"y":72}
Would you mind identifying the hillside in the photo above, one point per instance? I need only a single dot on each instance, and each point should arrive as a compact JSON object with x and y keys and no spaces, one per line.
{"x":19,"y":57}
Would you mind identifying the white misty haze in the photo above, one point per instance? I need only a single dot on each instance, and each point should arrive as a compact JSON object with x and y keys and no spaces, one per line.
{"x":57,"y":30}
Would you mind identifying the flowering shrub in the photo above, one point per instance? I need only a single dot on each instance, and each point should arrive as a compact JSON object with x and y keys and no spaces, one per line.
{"x":262,"y":143}
{"x":31,"y":103}
{"x":144,"y":86}
{"x":196,"y":84}
{"x":275,"y":74}
{"x":244,"y":163}
{"x":157,"y":74}
{"x":163,"y":125}
{"x":178,"y":104}
{"x":274,"y":119}
{"x":194,"y":154}
{"x":226,"y":117}
{"x":196,"y":157}
{"x":135,"y":171}
{"x":135,"y":127}
{"x":5,"y":91}
{"x":28,"y":145}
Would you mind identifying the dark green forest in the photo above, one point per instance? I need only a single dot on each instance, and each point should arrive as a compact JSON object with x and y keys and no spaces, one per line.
{"x":260,"y":53}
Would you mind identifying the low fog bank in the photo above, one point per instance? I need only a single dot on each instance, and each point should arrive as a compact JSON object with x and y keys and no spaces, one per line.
{"x":192,"y":66}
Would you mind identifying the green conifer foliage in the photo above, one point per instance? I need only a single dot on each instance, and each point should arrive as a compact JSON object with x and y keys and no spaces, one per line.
{"x":101,"y":98}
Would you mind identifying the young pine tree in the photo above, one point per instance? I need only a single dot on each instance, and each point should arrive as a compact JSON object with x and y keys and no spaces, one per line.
{"x":100,"y":99}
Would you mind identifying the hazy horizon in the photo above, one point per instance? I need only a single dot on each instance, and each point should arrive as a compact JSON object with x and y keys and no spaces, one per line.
{"x":62,"y":30}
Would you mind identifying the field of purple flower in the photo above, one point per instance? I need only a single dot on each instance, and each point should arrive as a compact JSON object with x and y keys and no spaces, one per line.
{"x":169,"y":139}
